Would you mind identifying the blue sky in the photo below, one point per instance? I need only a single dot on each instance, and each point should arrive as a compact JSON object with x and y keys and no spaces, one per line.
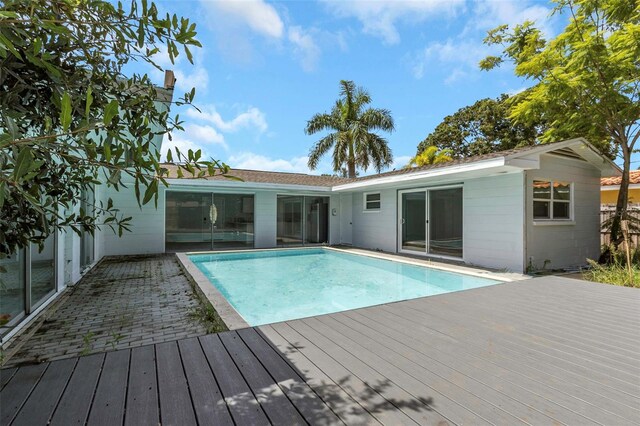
{"x":266,"y":67}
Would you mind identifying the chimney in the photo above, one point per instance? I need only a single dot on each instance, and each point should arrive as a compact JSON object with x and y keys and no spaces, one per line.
{"x":169,"y":80}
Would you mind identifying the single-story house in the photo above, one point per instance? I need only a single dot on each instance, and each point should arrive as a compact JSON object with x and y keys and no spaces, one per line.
{"x":610,"y":187}
{"x":515,"y":210}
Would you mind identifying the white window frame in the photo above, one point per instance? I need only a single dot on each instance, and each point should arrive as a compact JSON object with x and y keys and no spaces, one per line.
{"x":365,"y":203}
{"x":552,"y":219}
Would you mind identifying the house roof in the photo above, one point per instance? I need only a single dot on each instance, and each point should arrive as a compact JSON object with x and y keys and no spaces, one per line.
{"x":260,"y":176}
{"x":567,"y":148}
{"x":634,"y":178}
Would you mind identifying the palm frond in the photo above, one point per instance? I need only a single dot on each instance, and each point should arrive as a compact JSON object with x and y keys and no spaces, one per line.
{"x":321,"y":148}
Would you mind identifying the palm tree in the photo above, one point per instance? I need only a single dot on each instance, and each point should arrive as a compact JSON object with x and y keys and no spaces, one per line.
{"x":352,"y":137}
{"x":431,"y":155}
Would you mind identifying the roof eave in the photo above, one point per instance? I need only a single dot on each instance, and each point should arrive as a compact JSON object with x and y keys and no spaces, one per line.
{"x":246,"y":185}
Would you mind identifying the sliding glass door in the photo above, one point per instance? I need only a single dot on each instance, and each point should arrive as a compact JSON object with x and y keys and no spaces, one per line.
{"x":430,"y":222}
{"x":208,"y":221}
{"x":302,"y":220}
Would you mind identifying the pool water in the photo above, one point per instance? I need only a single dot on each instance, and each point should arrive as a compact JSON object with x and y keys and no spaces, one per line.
{"x":279,"y":285}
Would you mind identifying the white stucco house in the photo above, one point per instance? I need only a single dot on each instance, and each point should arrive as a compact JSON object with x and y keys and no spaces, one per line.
{"x":515,"y":210}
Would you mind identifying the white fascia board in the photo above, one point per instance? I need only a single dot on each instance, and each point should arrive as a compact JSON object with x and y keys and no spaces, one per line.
{"x":243,"y":185}
{"x":441,"y":171}
{"x":617,"y":187}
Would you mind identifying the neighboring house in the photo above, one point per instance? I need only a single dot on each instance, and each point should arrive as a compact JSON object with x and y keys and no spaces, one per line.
{"x":33,"y":278}
{"x":610,"y":187}
{"x":514,"y":210}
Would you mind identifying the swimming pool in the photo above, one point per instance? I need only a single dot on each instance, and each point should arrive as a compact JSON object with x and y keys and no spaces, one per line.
{"x":278,"y":285}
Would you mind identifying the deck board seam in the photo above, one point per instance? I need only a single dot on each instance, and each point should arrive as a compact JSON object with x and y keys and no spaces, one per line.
{"x":26,"y":398}
{"x":64,"y":389}
{"x":186,"y":380}
{"x":215,"y":379}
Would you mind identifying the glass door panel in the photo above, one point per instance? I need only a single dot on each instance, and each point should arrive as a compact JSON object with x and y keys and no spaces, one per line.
{"x":445,"y":222}
{"x":12,"y":290}
{"x":317,"y":220}
{"x":289,"y":230}
{"x":414,"y":214}
{"x":188,"y":221}
{"x":87,"y":247}
{"x":232,"y":220}
{"x":42,"y":271}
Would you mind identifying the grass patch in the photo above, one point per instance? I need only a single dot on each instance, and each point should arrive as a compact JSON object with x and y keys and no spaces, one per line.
{"x":204,"y":313}
{"x":615,"y":273}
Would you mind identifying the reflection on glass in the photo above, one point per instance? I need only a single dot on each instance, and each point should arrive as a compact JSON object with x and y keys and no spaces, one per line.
{"x":445,"y":222}
{"x":561,"y":191}
{"x":232,"y":219}
{"x":187,"y":221}
{"x":42,"y":271}
{"x":541,"y":210}
{"x":87,"y":248}
{"x":541,"y":189}
{"x":12,"y":290}
{"x":414,"y":214}
{"x":289,"y":220}
{"x":317,"y":220}
{"x":205,"y":221}
{"x":561,"y":210}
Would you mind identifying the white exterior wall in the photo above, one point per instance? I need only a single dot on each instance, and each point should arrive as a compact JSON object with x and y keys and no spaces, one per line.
{"x":493,"y":225}
{"x":265,"y":217}
{"x":565,"y":244}
{"x":147,"y":224}
{"x":345,"y":211}
{"x":376,"y":230}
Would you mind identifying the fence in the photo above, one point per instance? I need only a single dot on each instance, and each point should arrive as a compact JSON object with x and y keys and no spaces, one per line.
{"x":607,"y":211}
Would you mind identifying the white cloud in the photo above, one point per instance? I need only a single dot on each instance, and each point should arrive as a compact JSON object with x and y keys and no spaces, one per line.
{"x":305,"y":48}
{"x":250,"y":160}
{"x":252,"y":118}
{"x":195,"y":136}
{"x":460,"y":57}
{"x":380,"y":17}
{"x":257,"y":15}
{"x":490,"y":13}
{"x":187,"y":75}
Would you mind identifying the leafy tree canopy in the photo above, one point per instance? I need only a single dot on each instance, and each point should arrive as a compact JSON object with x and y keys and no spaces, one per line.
{"x":482,"y":128}
{"x":352,"y":135}
{"x":431,"y":155}
{"x":587,"y":78}
{"x":70,"y":118}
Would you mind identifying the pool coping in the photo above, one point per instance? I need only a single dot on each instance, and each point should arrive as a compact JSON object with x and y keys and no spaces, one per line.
{"x":234,"y":321}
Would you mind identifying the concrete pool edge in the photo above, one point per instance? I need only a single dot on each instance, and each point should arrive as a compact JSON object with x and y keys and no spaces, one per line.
{"x":232,"y":319}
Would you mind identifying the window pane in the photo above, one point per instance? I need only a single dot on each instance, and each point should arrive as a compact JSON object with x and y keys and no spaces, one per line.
{"x":541,"y":210}
{"x":560,"y":210}
{"x":561,"y":191}
{"x":12,"y":289}
{"x":542,"y":189}
{"x":42,"y":271}
{"x":373,"y":205}
{"x":373,"y":197}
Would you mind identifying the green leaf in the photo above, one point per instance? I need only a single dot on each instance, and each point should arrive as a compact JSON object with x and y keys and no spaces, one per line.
{"x":23,"y":163}
{"x":89,"y":101}
{"x":151,"y":190}
{"x":169,"y":156}
{"x":110,"y":111}
{"x":65,"y":111}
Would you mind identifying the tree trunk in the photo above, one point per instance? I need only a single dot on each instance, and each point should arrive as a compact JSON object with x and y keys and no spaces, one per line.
{"x":351,"y":160}
{"x":623,"y":197}
{"x":351,"y":167}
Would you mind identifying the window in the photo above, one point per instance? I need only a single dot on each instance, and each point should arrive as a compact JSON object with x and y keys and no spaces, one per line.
{"x":551,"y":200}
{"x":372,"y":201}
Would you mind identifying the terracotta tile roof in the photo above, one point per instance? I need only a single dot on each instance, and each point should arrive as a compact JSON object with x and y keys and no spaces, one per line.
{"x":634,"y":178}
{"x":259,"y":176}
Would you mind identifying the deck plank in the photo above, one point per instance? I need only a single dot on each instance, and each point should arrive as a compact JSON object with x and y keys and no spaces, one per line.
{"x":6,"y":375}
{"x":16,"y":392}
{"x":108,"y":403}
{"x":367,"y":391}
{"x":142,"y":393}
{"x":175,"y":400}
{"x":242,"y":404}
{"x":272,"y":399}
{"x":342,"y":404}
{"x":208,"y":402}
{"x":75,"y":402}
{"x":45,"y":396}
{"x":293,"y":385}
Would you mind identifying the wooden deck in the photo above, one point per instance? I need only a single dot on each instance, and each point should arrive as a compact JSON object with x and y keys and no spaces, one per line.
{"x":542,"y":351}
